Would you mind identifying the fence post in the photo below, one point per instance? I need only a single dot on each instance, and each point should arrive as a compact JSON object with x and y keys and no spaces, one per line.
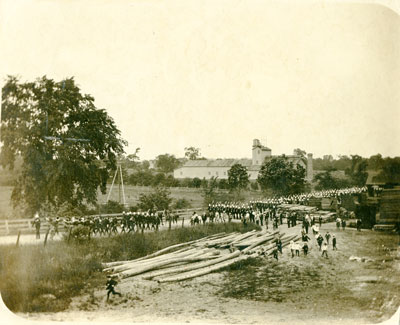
{"x":47,"y":235}
{"x":183,"y":221}
{"x":6,"y":224}
{"x":19,"y":234}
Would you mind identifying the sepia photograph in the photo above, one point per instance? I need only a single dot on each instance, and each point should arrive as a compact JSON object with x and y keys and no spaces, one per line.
{"x":198,"y":161}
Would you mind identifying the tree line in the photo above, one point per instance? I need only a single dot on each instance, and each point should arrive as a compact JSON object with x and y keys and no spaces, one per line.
{"x":68,"y":149}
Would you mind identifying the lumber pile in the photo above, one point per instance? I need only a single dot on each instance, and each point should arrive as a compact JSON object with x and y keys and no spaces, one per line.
{"x":196,"y":258}
{"x":390,"y":206}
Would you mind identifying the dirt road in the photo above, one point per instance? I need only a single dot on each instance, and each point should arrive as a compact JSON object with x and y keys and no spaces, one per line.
{"x":346,"y":291}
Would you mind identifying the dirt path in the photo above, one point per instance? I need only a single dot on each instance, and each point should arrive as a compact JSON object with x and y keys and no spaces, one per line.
{"x":200,"y":300}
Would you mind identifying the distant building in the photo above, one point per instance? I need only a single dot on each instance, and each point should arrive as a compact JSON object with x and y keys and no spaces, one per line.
{"x":219,"y":167}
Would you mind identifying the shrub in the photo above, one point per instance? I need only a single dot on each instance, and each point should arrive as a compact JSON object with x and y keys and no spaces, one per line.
{"x":181,"y":204}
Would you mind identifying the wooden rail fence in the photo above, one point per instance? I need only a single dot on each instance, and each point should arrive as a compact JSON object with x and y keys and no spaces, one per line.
{"x":12,"y":226}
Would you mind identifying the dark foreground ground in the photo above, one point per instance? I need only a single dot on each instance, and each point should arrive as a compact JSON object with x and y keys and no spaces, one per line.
{"x":300,"y":290}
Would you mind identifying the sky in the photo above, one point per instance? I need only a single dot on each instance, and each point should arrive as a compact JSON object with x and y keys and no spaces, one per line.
{"x":320,"y":76}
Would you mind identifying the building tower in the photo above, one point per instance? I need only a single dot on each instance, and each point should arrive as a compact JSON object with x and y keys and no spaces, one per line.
{"x":259,"y":153}
{"x":310,"y":170}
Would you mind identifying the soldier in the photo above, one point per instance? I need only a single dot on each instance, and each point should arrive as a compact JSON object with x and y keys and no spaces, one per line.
{"x":36,"y":223}
{"x":56,"y":223}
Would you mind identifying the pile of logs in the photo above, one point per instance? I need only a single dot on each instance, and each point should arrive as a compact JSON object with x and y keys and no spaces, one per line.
{"x":199,"y":257}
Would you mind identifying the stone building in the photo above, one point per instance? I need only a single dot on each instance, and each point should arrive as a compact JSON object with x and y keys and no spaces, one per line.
{"x":219,"y":167}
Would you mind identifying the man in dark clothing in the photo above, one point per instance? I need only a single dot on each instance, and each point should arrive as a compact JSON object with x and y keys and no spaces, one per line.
{"x":327,"y":237}
{"x":334,"y":242}
{"x":320,"y":221}
{"x":306,"y":225}
{"x":343,"y":224}
{"x":305,"y":248}
{"x":275,"y":253}
{"x":305,"y":238}
{"x":279,"y":245}
{"x":110,"y":285}
{"x":358,"y":224}
{"x":319,"y":241}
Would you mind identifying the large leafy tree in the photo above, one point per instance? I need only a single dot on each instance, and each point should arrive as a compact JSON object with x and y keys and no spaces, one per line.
{"x":68,"y":147}
{"x":167,"y":163}
{"x":358,"y":170}
{"x":390,"y":172}
{"x":281,"y":176}
{"x":376,"y":162}
{"x":192,"y":153}
{"x":158,"y":199}
{"x":238,"y":178}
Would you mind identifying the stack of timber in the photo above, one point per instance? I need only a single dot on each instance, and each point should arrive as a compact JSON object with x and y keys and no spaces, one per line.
{"x":329,"y":203}
{"x":389,"y":211}
{"x":191,"y":259}
{"x":315,"y":202}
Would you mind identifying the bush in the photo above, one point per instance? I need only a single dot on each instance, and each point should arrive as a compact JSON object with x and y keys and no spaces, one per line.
{"x":223,"y":184}
{"x":254,"y":186}
{"x":79,"y":233}
{"x":159,"y":199}
{"x":112,"y":207}
{"x":181,"y":204}
{"x":196,"y":182}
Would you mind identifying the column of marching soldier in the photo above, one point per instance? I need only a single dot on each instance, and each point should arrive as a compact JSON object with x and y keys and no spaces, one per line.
{"x":261,"y":212}
{"x":127,"y":222}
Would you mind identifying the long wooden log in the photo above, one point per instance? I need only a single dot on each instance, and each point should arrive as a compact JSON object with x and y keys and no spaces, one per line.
{"x":110,"y":266}
{"x":260,"y":241}
{"x":205,"y":270}
{"x":162,"y":251}
{"x":132,"y":272}
{"x":203,"y":254}
{"x":137,"y":264}
{"x":191,"y":267}
{"x":244,"y":236}
{"x":250,"y":241}
{"x":215,"y":242}
{"x":187,"y":250}
{"x":217,"y":266}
